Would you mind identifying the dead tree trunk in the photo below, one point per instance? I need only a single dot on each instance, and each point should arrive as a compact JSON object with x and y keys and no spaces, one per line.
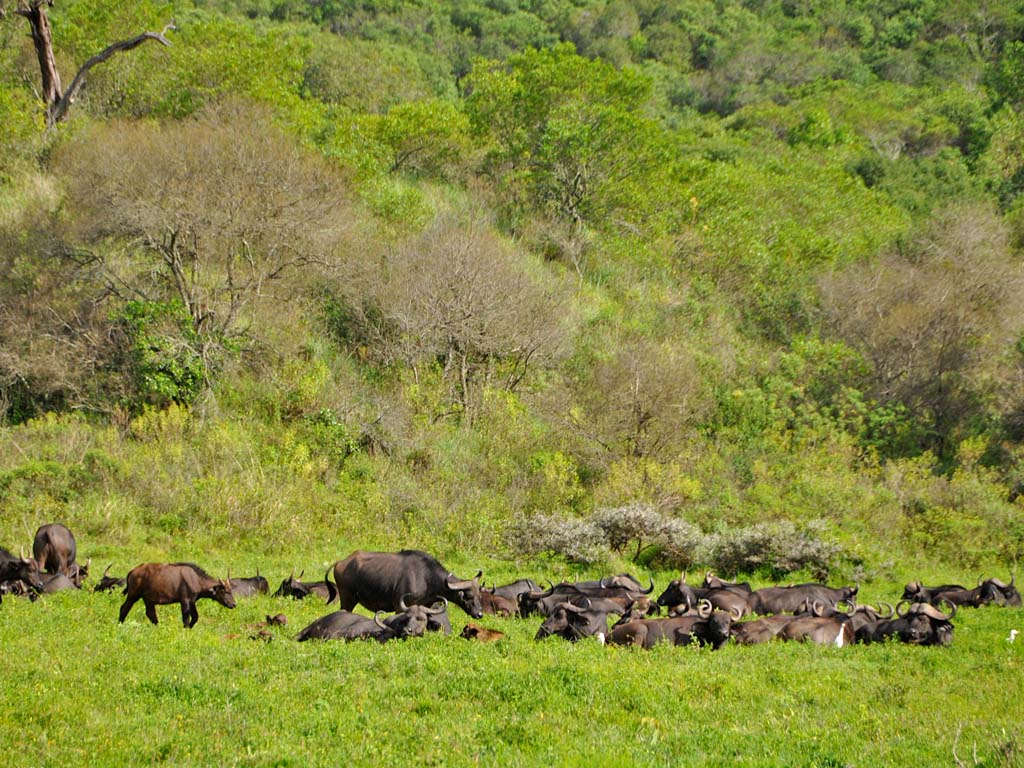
{"x":57,"y":101}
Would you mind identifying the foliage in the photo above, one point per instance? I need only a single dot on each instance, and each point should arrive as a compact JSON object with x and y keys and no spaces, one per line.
{"x":164,"y":352}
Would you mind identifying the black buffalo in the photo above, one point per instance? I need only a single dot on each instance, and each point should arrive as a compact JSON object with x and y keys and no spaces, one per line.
{"x":109,"y":583}
{"x":54,"y":549}
{"x":250,"y":586}
{"x":299,"y":590}
{"x":919,"y":624}
{"x":380,"y":581}
{"x":578,"y":618}
{"x":788,"y":599}
{"x":410,"y":621}
{"x":20,"y":569}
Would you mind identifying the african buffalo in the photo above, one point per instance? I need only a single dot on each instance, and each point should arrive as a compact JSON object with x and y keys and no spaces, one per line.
{"x":109,"y":583}
{"x":574,"y":620}
{"x":919,"y":624}
{"x":54,"y":549}
{"x":20,"y":569}
{"x":759,"y":630}
{"x":706,"y":626}
{"x":496,"y":605}
{"x":512,"y":590}
{"x":185,"y":583}
{"x":788,"y":599}
{"x":299,"y":590}
{"x":987,"y":592}
{"x":250,"y":586}
{"x":379,"y":581}
{"x":410,"y":621}
{"x":473,"y":631}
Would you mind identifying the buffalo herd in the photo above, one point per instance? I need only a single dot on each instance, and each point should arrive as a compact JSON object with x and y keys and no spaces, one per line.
{"x":416,"y":590}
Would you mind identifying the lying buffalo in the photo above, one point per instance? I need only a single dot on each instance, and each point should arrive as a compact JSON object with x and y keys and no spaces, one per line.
{"x":20,"y":569}
{"x":108,"y":583}
{"x":184,"y":583}
{"x":473,"y":631}
{"x":300,"y":590}
{"x":919,"y":624}
{"x":250,"y":586}
{"x":380,"y":581}
{"x":410,"y":621}
{"x":704,"y":626}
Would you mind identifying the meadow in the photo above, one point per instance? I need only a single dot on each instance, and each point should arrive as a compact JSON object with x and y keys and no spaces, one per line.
{"x":80,"y":688}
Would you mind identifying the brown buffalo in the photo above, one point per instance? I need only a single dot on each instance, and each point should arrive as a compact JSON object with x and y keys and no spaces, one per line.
{"x":184,"y":583}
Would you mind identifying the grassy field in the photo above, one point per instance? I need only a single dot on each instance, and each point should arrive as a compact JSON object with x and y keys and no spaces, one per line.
{"x":78,"y":688}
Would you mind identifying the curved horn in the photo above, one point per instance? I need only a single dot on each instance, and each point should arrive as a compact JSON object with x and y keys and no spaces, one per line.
{"x":682,"y":579}
{"x":817,"y":609}
{"x":292,"y":576}
{"x":952,"y":608}
{"x":478,"y":575}
{"x":891,"y":610}
{"x":577,"y":608}
{"x":22,"y":552}
{"x":704,"y":608}
{"x":602,"y":584}
{"x":999,"y":583}
{"x":736,"y":613}
{"x":301,"y":573}
{"x":377,"y":621}
{"x":650,"y":588}
{"x":932,"y":612}
{"x":434,"y":609}
{"x":106,"y":570}
{"x":401,"y":603}
{"x":897,"y":609}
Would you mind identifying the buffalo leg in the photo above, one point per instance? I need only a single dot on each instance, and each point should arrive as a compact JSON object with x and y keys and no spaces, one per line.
{"x":150,"y":611}
{"x":194,"y":615}
{"x":127,"y":606}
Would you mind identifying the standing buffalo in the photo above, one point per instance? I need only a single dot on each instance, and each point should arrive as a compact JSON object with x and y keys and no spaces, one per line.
{"x":185,"y":583}
{"x":54,"y":549}
{"x":381,"y":581}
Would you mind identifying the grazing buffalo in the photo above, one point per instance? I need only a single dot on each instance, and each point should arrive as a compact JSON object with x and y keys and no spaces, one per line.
{"x":919,"y":624}
{"x":185,"y":583}
{"x":380,"y":581}
{"x":54,"y":549}
{"x":109,"y":583}
{"x":410,"y":621}
{"x":250,"y":586}
{"x":473,"y":631}
{"x":20,"y":569}
{"x":300,"y":590}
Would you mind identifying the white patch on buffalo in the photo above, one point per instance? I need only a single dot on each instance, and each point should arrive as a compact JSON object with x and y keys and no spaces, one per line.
{"x":600,"y":637}
{"x":839,"y":639}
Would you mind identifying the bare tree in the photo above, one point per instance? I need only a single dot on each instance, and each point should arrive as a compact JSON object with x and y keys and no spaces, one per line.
{"x":641,"y":401}
{"x":460,"y":297}
{"x":932,"y":318}
{"x":58,"y":101}
{"x":214,"y":212}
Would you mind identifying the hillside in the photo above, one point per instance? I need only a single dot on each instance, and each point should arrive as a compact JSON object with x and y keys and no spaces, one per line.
{"x":731,"y":285}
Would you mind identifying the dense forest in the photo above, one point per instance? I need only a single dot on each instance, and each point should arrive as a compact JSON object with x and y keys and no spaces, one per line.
{"x":732,"y":284}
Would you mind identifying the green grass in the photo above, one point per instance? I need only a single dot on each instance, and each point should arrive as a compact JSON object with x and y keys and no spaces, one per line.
{"x":78,"y":688}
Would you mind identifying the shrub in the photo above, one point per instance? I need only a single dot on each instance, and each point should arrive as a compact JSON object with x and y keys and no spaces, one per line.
{"x":776,"y":548}
{"x":579,"y":541}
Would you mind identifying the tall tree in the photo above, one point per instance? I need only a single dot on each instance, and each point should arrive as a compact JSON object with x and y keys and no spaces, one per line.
{"x":58,"y":101}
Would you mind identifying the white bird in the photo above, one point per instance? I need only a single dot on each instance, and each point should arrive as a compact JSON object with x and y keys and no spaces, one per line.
{"x":1013,"y":636}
